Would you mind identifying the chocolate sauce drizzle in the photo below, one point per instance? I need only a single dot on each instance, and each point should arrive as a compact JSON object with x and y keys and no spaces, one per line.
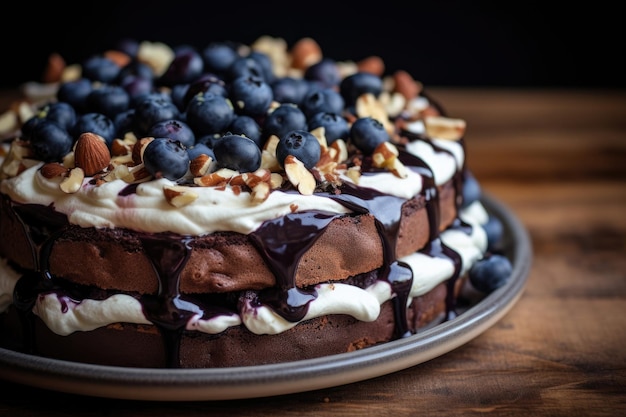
{"x":282,"y":242}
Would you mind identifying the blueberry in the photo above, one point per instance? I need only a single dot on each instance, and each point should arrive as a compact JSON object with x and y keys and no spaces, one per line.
{"x":238,"y":153}
{"x":109,"y":100}
{"x":494,"y":231}
{"x":283,"y":119}
{"x":186,"y":67}
{"x":62,"y":113}
{"x":471,"y":189}
{"x":490,"y":273}
{"x":129,"y":46}
{"x":75,"y":93}
{"x":199,"y":149}
{"x":219,"y":56}
{"x":135,"y":69}
{"x":209,"y":113}
{"x":246,"y":67}
{"x":100,"y":68}
{"x":50,"y":142}
{"x":265,"y":63}
{"x":335,"y":126}
{"x":248,"y":127}
{"x":251,"y":95}
{"x":290,"y":90}
{"x":175,"y":130}
{"x":207,"y":83}
{"x":325,"y":72}
{"x":166,"y":158}
{"x":59,"y":112}
{"x":124,"y":123}
{"x":322,"y":100}
{"x":301,"y":144}
{"x":137,"y":88}
{"x":97,"y":123}
{"x":154,"y":109}
{"x":177,"y":94}
{"x":357,"y":84}
{"x":366,"y":133}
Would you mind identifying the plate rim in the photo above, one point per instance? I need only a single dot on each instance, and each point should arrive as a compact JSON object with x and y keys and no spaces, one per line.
{"x":284,"y":378}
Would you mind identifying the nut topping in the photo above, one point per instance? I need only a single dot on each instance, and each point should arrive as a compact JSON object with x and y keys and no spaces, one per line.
{"x":91,"y":153}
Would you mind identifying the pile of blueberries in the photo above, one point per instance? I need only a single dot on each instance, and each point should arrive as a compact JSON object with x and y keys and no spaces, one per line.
{"x":213,"y":101}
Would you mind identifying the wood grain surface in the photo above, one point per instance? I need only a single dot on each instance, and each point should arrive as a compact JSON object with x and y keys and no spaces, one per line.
{"x":557,"y":158}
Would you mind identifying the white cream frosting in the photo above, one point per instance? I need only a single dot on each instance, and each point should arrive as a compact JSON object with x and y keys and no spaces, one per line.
{"x":216,"y":209}
{"x":64,"y":315}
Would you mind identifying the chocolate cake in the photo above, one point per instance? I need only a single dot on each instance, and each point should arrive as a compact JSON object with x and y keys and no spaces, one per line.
{"x":231,"y":205}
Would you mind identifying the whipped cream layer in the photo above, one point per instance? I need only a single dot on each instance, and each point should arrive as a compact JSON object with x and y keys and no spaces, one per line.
{"x":65,"y":316}
{"x":216,"y":209}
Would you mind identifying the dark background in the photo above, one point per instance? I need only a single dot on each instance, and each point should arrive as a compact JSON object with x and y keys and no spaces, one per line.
{"x":445,"y":43}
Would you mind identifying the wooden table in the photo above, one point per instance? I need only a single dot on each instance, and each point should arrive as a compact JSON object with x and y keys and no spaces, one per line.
{"x":558,"y":160}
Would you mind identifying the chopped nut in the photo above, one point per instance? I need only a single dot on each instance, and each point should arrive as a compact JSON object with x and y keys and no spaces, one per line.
{"x":219,"y":177}
{"x":372,"y":64}
{"x":368,"y":105}
{"x":305,"y":52}
{"x":386,"y":156}
{"x":299,"y":175}
{"x":200,"y":165}
{"x":73,"y":181}
{"x":179,"y":196}
{"x":440,"y":127}
{"x":406,"y":85}
{"x":260,"y":192}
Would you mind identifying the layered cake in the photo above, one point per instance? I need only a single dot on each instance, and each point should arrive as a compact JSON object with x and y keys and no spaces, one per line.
{"x":233,"y":205}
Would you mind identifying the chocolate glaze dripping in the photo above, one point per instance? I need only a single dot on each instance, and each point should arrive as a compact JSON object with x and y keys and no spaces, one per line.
{"x":282,"y":242}
{"x":41,"y":226}
{"x":168,"y":310}
{"x":435,"y":247}
{"x":387,"y":212}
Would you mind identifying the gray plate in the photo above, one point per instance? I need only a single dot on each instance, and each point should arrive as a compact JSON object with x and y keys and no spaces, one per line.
{"x":291,"y":377}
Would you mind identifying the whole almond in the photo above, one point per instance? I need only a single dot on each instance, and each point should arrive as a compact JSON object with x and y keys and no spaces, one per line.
{"x":91,"y":153}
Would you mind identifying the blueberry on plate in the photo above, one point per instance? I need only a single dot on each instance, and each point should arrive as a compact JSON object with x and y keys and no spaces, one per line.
{"x":494,"y":231}
{"x":301,"y":144}
{"x":209,"y":113}
{"x":357,"y":84}
{"x":335,"y":126}
{"x":283,"y":119}
{"x":251,"y":95}
{"x":471,"y":189}
{"x":490,"y":273}
{"x":166,"y":158}
{"x":174,"y":129}
{"x":50,"y":142}
{"x":238,"y":153}
{"x":366,"y":133}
